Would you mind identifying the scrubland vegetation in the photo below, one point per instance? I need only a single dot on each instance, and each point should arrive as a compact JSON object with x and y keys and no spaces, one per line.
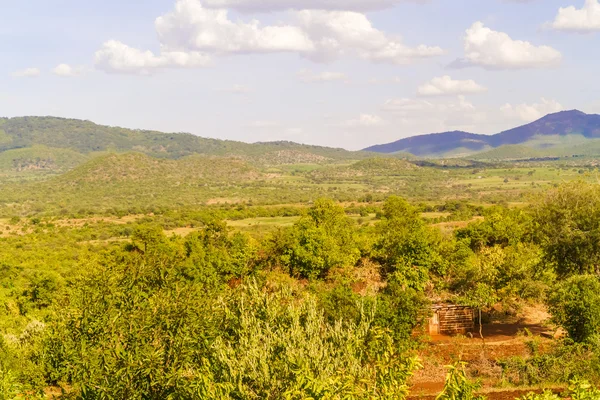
{"x":282,"y":271}
{"x":330,"y":305}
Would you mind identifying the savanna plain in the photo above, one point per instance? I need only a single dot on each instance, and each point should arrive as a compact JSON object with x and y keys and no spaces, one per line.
{"x":140,"y":265}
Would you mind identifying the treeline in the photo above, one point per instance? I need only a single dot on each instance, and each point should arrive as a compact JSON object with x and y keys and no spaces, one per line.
{"x":324,"y":309}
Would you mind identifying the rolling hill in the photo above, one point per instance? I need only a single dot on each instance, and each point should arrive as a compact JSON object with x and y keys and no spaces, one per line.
{"x":35,"y":145}
{"x":554,"y":131}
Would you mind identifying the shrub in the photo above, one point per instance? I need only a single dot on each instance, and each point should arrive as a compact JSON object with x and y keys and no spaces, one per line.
{"x":575,"y":305}
{"x":458,"y":386}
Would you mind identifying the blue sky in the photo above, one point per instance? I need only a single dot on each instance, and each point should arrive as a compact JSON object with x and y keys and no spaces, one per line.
{"x":347,"y":73}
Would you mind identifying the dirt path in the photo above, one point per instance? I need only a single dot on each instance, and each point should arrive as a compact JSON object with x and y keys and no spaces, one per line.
{"x":508,"y":394}
{"x":501,"y":340}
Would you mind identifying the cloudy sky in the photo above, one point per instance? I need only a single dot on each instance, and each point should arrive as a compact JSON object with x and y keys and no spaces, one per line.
{"x":344,"y":73}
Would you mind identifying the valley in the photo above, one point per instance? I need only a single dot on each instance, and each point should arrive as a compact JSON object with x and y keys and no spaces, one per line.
{"x":300,"y":200}
{"x":332,"y":248}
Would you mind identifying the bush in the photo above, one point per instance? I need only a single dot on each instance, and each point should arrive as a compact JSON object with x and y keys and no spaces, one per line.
{"x":279,"y":345}
{"x":321,"y":241}
{"x":568,"y":228}
{"x":458,"y":386}
{"x":575,"y":305}
{"x":562,"y":364}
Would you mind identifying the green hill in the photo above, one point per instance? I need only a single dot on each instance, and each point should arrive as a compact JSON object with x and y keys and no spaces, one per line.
{"x":86,"y":137}
{"x":383,"y":166}
{"x":40,"y":159}
{"x":132,"y":182}
{"x":587,"y":148}
{"x":366,"y":169}
{"x":508,"y":152}
{"x":569,"y":146}
{"x":140,"y":169}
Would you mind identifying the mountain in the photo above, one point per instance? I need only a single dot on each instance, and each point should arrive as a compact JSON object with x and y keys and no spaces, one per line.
{"x":564,"y":128}
{"x":563,"y":123}
{"x":38,"y":146}
{"x":87,"y":137}
{"x":435,"y":143}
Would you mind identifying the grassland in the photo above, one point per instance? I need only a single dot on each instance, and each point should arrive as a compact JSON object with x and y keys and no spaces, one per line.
{"x":134,"y":183}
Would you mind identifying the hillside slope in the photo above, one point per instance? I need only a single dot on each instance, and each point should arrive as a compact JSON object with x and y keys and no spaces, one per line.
{"x":435,"y":143}
{"x":86,"y":137}
{"x":561,"y":129}
{"x":131,"y":181}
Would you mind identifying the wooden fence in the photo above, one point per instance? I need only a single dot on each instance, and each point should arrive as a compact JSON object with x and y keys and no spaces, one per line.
{"x":450,"y":319}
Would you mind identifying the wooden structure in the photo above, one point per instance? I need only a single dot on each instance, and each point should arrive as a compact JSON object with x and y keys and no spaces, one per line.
{"x":450,"y":319}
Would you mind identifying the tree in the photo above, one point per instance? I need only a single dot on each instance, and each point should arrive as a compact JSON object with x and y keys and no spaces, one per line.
{"x":213,"y":255}
{"x":403,"y":239}
{"x":568,"y":221}
{"x":146,"y":235}
{"x":132,"y":327}
{"x":322,"y":240}
{"x":575,"y":305}
{"x":481,"y":296}
{"x":501,"y":227}
{"x":400,"y":307}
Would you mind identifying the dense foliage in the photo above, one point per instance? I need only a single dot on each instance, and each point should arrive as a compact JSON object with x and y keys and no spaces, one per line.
{"x":326,"y":305}
{"x":575,"y":305}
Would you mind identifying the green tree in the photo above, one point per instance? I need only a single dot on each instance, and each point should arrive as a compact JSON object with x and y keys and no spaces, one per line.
{"x":322,"y":240}
{"x":403,"y":240}
{"x":481,"y":296}
{"x":575,"y":305}
{"x":568,"y":221}
{"x":213,"y":255}
{"x":400,"y":307}
{"x":501,"y":227}
{"x":131,"y":328}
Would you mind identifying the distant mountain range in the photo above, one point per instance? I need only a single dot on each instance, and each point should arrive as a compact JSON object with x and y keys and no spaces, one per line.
{"x":33,"y":147}
{"x":566,"y":128}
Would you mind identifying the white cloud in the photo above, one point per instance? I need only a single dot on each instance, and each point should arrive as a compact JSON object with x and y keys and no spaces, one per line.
{"x":341,"y":33}
{"x":445,"y":85}
{"x":117,"y":57}
{"x":66,"y":70}
{"x":193,"y":30}
{"x":27,"y":73}
{"x":586,"y":19}
{"x":531,"y":112}
{"x":280,"y":5}
{"x":191,"y":27}
{"x":497,"y":50}
{"x":365,"y":121}
{"x":407,"y":106}
{"x":308,"y":76}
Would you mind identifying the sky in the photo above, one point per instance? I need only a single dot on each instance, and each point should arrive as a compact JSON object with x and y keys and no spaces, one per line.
{"x":340,"y":73}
